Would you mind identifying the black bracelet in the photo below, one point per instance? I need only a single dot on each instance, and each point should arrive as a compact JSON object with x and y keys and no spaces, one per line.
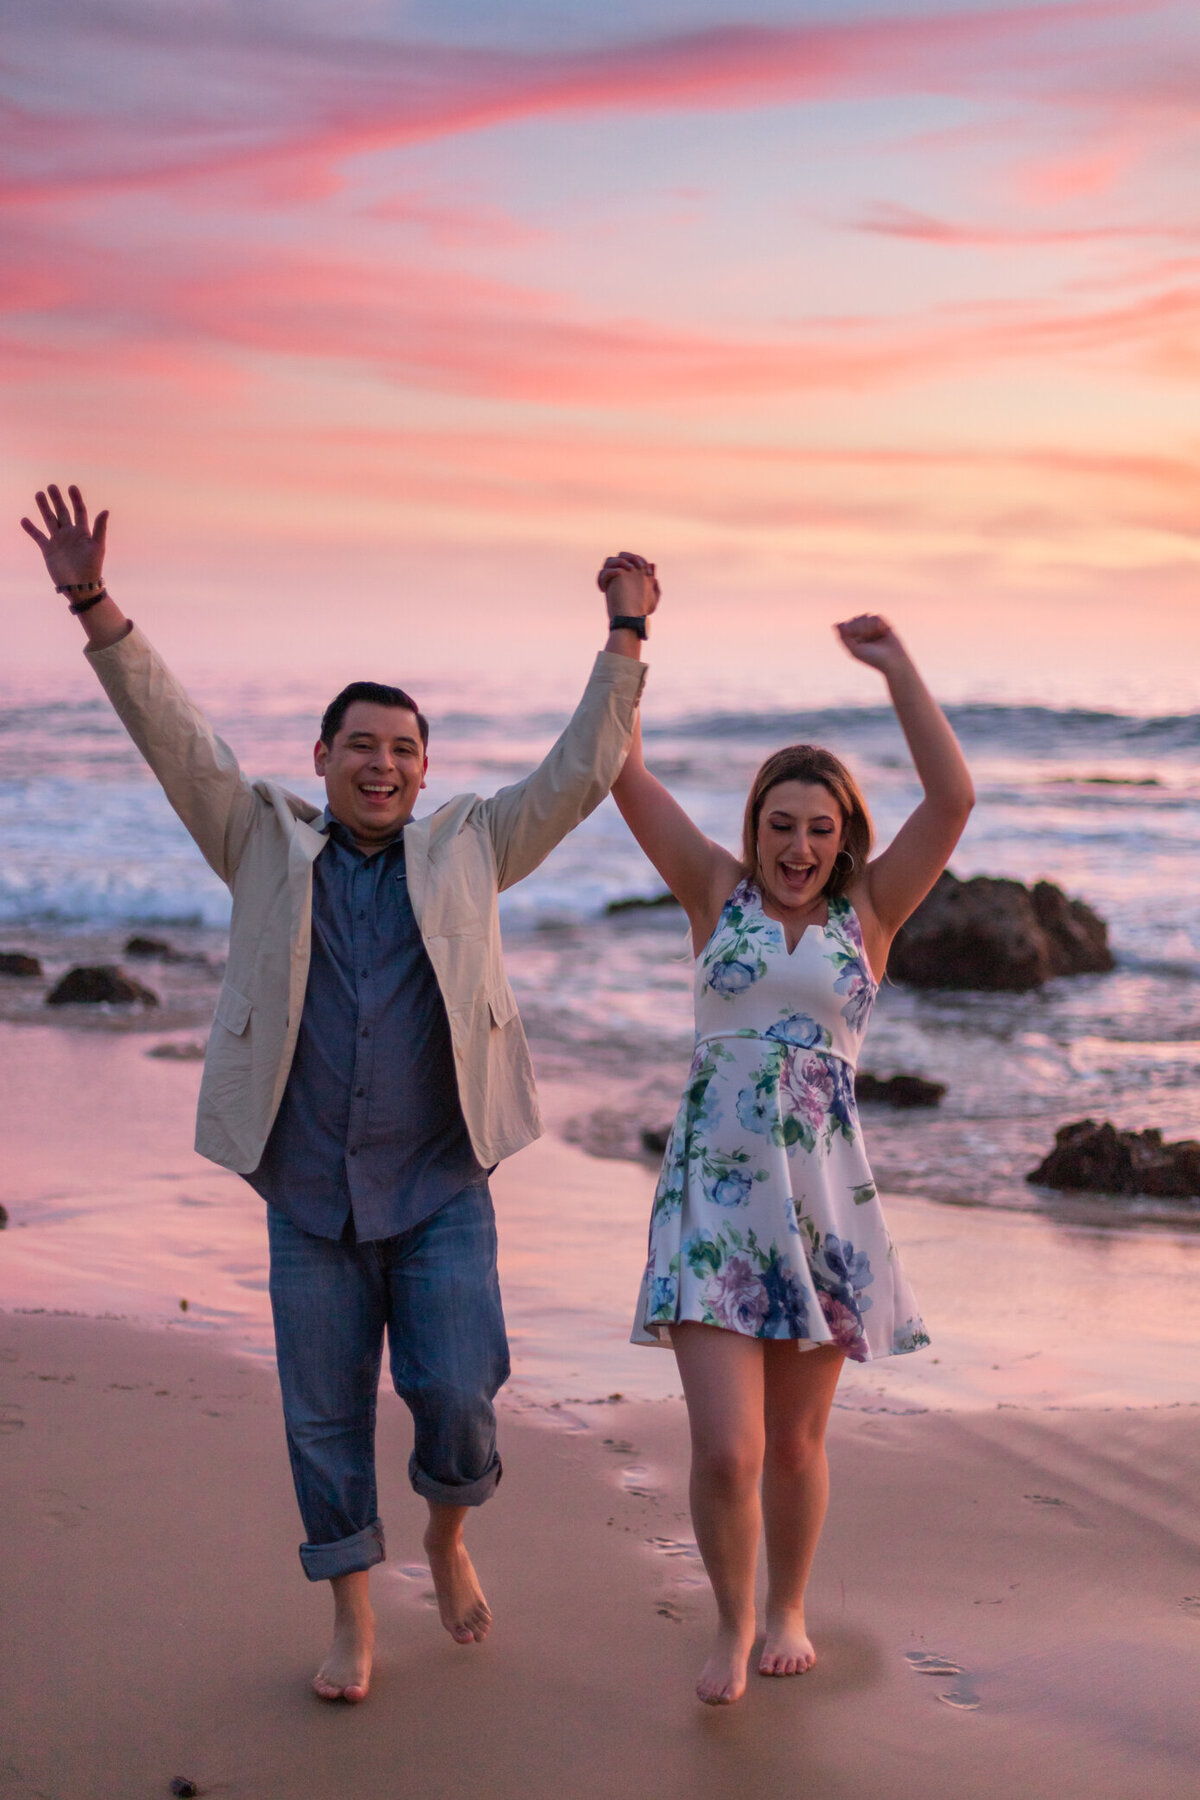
{"x":82,"y":606}
{"x":628,"y":622}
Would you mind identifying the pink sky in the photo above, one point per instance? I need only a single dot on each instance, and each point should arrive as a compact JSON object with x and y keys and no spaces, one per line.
{"x":378,"y":325}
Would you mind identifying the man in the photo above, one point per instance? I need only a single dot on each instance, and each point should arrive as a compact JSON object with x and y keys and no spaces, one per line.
{"x":367,"y":1068}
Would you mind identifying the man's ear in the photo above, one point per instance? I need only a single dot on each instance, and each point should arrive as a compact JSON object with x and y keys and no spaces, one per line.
{"x":424,"y":771}
{"x":320,"y":755}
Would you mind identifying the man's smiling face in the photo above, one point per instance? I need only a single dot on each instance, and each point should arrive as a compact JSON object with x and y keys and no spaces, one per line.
{"x":373,"y":771}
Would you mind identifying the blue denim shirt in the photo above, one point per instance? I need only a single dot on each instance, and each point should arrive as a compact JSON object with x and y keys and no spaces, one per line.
{"x":370,"y":1126}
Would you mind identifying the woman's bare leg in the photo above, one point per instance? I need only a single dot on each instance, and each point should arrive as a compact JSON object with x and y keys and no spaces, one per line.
{"x":799,"y":1390}
{"x":722,"y":1374}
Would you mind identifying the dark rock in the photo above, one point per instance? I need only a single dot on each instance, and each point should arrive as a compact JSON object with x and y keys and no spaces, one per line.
{"x":191,"y":1051}
{"x":993,"y":933}
{"x":1108,"y":1161}
{"x":637,"y":903}
{"x":898,"y":1090}
{"x":15,"y":962}
{"x":101,"y":984}
{"x":184,"y":1788}
{"x":654,"y":1138}
{"x":3,"y":1217}
{"x":151,"y":949}
{"x":1077,"y":938}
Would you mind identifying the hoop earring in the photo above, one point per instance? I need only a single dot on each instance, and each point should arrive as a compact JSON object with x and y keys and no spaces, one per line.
{"x":851,"y":861}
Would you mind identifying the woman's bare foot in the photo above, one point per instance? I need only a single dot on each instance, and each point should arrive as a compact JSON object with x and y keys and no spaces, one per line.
{"x":723,"y":1677}
{"x":788,"y":1648}
{"x":461,"y":1605}
{"x":346,"y":1672}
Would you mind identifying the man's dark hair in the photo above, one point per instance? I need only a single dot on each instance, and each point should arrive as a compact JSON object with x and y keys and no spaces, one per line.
{"x":376,"y":694}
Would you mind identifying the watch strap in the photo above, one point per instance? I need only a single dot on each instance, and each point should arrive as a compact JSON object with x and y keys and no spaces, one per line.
{"x":635,"y":622}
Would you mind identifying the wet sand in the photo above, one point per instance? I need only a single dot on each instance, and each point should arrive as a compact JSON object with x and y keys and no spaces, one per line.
{"x":111,"y":1212}
{"x":157,"y":1623}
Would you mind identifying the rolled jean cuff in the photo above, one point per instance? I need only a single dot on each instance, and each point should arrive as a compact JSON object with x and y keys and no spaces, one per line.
{"x":350,"y":1554}
{"x":455,"y":1493}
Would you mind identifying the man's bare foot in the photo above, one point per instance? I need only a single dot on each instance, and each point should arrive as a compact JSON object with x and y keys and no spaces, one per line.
{"x":788,"y":1648}
{"x":461,"y":1605}
{"x":723,"y":1677}
{"x":346,"y":1672}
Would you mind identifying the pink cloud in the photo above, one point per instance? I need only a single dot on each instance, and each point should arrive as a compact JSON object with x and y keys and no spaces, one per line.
{"x":904,"y":222}
{"x":466,"y":335}
{"x":285,"y":104}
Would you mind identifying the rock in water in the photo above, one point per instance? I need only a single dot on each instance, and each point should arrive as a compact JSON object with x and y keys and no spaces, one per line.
{"x":101,"y":984}
{"x":993,"y":933}
{"x":1108,"y":1161}
{"x":639,"y":903}
{"x":151,"y":948}
{"x":15,"y":962}
{"x":898,"y":1090}
{"x":1077,"y":938}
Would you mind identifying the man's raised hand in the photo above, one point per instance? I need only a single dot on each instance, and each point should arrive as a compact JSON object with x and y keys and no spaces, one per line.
{"x":74,"y":553}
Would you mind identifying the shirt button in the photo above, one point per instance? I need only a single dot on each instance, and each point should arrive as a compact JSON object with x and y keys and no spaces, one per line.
{"x":362,"y":915}
{"x":366,"y":974}
{"x":354,"y":1152}
{"x":359,"y":1092}
{"x":366,"y":1031}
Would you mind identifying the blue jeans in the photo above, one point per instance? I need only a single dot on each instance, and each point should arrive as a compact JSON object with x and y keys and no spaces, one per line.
{"x":435,"y":1291}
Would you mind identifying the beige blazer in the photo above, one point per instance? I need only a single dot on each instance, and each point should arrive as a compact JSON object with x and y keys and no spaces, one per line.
{"x":262,"y":842}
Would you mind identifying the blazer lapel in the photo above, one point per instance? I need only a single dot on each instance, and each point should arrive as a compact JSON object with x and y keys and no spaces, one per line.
{"x":416,"y":864}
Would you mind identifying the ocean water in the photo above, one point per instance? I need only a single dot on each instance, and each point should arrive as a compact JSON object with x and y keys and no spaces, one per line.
{"x":1107,"y":804}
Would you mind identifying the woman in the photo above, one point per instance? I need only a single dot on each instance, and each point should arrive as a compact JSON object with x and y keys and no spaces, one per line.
{"x":770,"y":1262}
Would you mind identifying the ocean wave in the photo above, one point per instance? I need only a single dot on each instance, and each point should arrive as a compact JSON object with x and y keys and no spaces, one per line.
{"x":1019,"y":730}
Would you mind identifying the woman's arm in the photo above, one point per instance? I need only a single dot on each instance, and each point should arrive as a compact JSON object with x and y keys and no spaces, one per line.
{"x":898,"y":880}
{"x":699,"y":873}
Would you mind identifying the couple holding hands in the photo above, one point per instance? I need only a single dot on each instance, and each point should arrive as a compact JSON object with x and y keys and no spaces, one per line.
{"x":367,"y":1070}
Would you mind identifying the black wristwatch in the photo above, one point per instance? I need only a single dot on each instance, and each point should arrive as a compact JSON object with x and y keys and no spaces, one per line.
{"x":629,"y":622}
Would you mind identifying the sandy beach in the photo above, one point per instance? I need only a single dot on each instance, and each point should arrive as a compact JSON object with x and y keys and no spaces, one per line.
{"x":164,"y":1628}
{"x":1017,"y":1504}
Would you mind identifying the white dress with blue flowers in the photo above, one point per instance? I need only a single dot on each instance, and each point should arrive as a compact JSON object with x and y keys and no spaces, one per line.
{"x":766,"y":1219}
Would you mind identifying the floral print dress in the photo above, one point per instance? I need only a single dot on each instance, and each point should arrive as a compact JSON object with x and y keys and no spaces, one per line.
{"x":766,"y":1219}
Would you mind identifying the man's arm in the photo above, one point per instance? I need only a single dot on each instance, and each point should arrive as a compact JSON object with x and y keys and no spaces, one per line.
{"x":528,"y":819}
{"x":198,"y":773}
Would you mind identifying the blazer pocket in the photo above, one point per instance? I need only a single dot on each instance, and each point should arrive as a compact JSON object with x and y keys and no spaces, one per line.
{"x":233,"y":1011}
{"x":502,"y":1005}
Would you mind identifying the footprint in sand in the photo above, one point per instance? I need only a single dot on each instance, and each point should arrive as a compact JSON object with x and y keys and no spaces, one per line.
{"x":635,"y":1480}
{"x":620,"y":1446}
{"x":684,"y":1549}
{"x":1071,"y":1512}
{"x":666,"y":1609}
{"x":1191,"y":1604}
{"x":9,"y":1420}
{"x":961,"y":1697}
{"x":922,"y":1662}
{"x":61,"y":1508}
